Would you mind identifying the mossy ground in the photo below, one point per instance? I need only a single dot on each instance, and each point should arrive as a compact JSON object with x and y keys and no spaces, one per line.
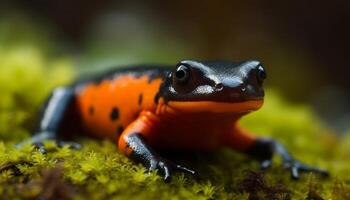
{"x":99,"y":171}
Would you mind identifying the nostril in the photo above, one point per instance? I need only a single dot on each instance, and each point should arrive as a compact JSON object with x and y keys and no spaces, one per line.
{"x":219,"y":86}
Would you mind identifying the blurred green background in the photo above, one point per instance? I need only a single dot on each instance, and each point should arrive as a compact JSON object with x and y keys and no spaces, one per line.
{"x":303,"y":45}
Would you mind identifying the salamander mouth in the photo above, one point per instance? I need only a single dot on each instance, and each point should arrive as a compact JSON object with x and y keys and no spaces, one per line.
{"x":217,"y":107}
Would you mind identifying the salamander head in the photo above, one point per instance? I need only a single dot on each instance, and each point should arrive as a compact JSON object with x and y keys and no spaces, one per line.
{"x":219,"y":86}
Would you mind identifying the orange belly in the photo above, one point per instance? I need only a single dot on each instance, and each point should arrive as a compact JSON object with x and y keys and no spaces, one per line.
{"x":203,"y":131}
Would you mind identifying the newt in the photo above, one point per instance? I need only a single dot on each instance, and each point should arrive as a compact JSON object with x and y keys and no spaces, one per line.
{"x":189,"y":106}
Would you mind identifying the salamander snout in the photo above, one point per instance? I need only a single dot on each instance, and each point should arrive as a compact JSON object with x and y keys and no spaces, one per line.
{"x":244,"y":82}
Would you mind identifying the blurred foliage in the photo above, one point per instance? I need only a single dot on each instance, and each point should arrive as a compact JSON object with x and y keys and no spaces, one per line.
{"x":24,"y":82}
{"x":25,"y":79}
{"x":99,"y":171}
{"x":17,"y":29}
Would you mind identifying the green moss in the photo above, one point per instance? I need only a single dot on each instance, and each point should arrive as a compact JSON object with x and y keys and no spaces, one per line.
{"x":99,"y":171}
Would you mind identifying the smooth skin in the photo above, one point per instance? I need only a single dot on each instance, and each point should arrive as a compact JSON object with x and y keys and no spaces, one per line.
{"x":147,"y":109}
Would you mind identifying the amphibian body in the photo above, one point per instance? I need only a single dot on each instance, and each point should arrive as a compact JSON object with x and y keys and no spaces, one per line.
{"x":189,"y":106}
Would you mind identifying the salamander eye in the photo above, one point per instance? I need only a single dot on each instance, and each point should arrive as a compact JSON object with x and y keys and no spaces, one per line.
{"x":261,"y":74}
{"x":182,"y":74}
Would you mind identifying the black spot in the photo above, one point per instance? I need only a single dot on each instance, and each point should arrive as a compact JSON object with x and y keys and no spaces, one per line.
{"x":140,"y":98}
{"x":91,"y":110}
{"x":114,"y":114}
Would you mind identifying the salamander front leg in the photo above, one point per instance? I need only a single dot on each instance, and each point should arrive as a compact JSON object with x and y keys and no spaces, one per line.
{"x":263,"y":150}
{"x":133,"y":143}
